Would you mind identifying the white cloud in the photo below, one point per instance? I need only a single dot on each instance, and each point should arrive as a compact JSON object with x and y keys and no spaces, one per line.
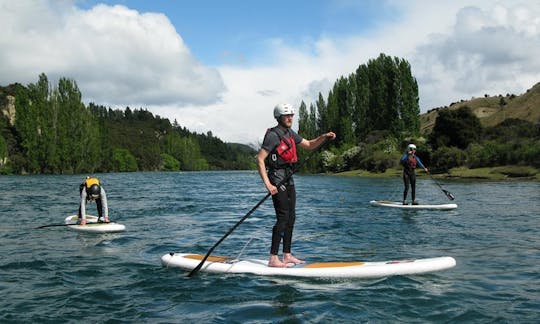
{"x":117,"y":55}
{"x":121,"y":57}
{"x":491,"y":50}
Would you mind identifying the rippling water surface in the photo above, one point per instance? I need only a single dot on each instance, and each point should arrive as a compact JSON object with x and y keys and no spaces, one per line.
{"x":58,"y":275}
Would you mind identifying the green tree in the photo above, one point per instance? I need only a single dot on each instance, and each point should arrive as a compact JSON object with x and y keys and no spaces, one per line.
{"x":340,"y":107}
{"x":409,"y":108}
{"x":169,"y":163}
{"x":381,"y":96}
{"x":303,"y":119}
{"x":363,"y":97}
{"x":124,"y":161}
{"x":445,"y":158}
{"x":27,"y":130}
{"x":78,"y":137}
{"x":306,"y":122}
{"x":323,"y":123}
{"x":171,"y":145}
{"x":190,"y":155}
{"x":44,"y":119}
{"x":457,"y":128}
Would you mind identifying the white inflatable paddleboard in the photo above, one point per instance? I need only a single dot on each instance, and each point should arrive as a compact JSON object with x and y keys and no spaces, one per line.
{"x":92,"y":225}
{"x":396,"y":204}
{"x":218,"y":264}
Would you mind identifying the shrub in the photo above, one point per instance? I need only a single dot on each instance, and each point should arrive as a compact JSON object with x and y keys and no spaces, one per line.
{"x":169,"y":163}
{"x":124,"y":161}
{"x":379,"y":161}
{"x":445,"y":158}
{"x":332,"y":162}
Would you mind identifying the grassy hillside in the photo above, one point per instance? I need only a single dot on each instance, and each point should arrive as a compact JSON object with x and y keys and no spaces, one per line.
{"x":493,"y":110}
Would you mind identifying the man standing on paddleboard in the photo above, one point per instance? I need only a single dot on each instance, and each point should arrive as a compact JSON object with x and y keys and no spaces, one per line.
{"x":275,"y":162}
{"x":91,"y":190}
{"x":410,"y":161}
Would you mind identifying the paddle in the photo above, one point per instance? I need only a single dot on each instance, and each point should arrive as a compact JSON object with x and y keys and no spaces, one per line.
{"x":296,"y":168}
{"x":53,"y":225}
{"x":448,"y":194}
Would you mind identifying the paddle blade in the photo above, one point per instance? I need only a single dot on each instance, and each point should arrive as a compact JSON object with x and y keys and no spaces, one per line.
{"x":449,"y":195}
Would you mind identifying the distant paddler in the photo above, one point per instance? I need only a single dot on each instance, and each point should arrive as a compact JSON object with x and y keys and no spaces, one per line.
{"x":410,"y":162}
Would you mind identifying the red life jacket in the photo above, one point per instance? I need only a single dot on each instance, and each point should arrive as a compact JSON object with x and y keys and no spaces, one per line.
{"x":284,"y":154}
{"x":412,"y":161}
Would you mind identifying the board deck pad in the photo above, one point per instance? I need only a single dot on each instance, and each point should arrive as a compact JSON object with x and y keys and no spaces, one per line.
{"x":345,"y":269}
{"x":223,"y":259}
{"x":397,"y":204}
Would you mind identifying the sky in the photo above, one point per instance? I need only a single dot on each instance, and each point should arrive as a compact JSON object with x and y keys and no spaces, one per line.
{"x":221,"y":66}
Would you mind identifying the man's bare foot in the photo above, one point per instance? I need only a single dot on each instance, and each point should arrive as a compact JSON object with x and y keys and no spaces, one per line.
{"x":289,"y":258}
{"x":275,"y":262}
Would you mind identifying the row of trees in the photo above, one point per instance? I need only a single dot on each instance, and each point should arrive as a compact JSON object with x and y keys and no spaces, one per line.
{"x":377,"y":105}
{"x":54,"y":132}
{"x":375,"y":113}
{"x":381,"y":95}
{"x":457,"y":140}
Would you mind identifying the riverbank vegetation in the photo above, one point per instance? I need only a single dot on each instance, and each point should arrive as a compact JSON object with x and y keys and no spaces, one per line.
{"x":48,"y":130}
{"x":510,"y":172}
{"x":374,"y":111}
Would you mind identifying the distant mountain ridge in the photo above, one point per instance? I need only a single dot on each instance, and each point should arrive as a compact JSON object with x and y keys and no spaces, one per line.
{"x":492,"y":110}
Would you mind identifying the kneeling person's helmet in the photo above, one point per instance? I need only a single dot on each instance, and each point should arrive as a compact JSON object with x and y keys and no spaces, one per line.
{"x":94,"y":191}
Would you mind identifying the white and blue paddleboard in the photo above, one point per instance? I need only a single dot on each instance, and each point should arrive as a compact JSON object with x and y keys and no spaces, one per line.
{"x":397,"y":204}
{"x":347,"y":269}
{"x":92,"y":225}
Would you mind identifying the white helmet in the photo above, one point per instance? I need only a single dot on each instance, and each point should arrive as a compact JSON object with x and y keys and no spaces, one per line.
{"x":283,"y":109}
{"x":411,"y":147}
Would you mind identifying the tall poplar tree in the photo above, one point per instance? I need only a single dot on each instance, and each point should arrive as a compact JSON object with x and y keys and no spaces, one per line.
{"x":323,"y":122}
{"x":410,"y":107}
{"x":45,"y":120}
{"x":25,"y":125}
{"x":363,"y":96}
{"x":381,"y":95}
{"x":78,"y":135}
{"x":340,"y":106}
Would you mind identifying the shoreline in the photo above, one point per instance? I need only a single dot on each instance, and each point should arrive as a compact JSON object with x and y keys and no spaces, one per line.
{"x":506,"y":173}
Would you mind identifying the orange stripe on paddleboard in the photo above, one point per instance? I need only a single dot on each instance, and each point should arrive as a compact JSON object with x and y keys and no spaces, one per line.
{"x":332,"y":264}
{"x":210,"y":258}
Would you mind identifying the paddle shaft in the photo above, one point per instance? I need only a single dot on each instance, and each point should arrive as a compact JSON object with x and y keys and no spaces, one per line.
{"x":448,"y":194}
{"x":297,"y":167}
{"x":54,"y":225}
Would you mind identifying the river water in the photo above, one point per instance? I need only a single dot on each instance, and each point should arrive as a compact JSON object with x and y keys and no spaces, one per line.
{"x":60,"y":276}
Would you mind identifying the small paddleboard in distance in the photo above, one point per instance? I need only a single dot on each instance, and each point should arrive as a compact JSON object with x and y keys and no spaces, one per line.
{"x":396,"y":204}
{"x":92,"y":225}
{"x":350,"y":269}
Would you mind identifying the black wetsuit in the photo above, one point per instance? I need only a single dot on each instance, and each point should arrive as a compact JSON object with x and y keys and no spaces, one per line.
{"x":285,"y":200}
{"x":409,"y":176}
